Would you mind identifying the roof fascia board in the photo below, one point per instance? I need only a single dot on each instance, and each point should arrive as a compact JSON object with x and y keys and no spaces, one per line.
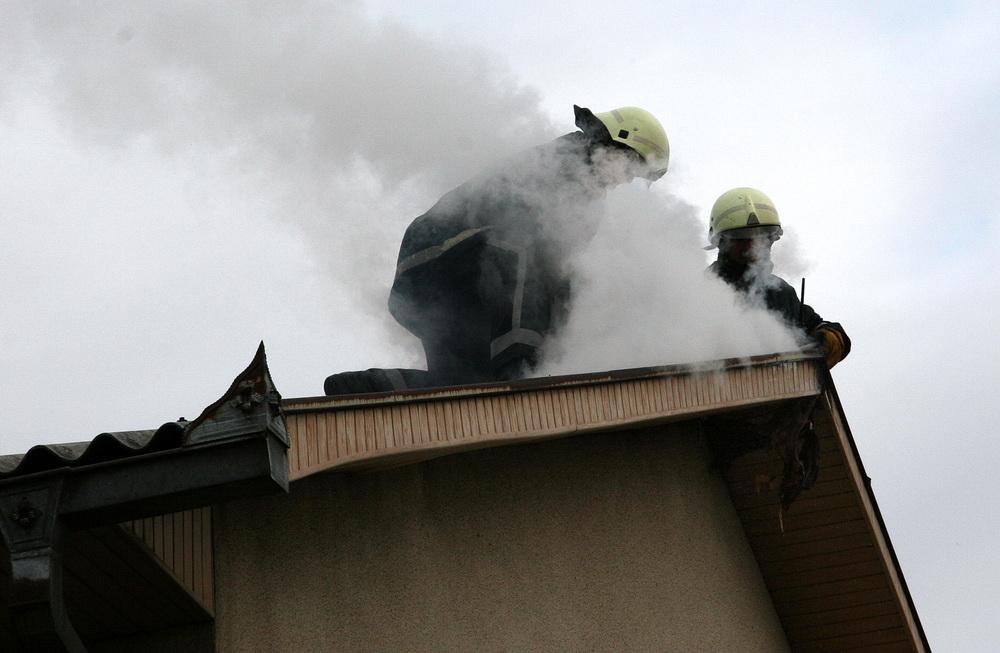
{"x":393,"y":430}
{"x":873,"y":516}
{"x":322,"y":403}
{"x":172,"y":481}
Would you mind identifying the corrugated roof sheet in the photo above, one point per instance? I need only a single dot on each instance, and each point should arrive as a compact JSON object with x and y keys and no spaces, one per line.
{"x":104,"y":447}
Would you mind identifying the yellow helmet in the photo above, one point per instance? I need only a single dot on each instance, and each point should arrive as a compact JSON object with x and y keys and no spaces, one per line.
{"x":632,"y":127}
{"x":743,"y":213}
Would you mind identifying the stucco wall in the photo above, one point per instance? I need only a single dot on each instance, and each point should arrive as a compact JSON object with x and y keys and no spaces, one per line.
{"x":615,"y":542}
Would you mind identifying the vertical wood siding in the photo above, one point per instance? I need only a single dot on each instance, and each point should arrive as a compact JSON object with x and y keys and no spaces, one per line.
{"x":182,"y":542}
{"x":334,"y":433}
{"x":825,"y":561}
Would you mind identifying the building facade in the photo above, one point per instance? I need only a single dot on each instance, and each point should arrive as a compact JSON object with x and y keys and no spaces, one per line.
{"x":592,"y":513}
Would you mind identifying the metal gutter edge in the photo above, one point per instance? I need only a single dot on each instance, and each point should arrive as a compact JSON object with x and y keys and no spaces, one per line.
{"x":238,"y":446}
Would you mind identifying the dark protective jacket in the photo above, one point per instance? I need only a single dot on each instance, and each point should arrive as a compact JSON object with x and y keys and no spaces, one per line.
{"x":789,"y":431}
{"x":779,"y":297}
{"x":481,"y":278}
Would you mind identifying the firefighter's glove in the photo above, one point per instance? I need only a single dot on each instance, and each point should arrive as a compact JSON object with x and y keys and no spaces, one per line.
{"x":834,"y":345}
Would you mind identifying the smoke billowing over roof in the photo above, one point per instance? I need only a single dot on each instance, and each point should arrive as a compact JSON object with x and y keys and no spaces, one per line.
{"x":643,"y":296}
{"x":225,"y":173}
{"x":323,"y":123}
{"x":180,"y":181}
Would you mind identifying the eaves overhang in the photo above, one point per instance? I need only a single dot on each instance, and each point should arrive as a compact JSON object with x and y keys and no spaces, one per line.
{"x":236,"y":447}
{"x":383,"y":429}
{"x":827,"y":559}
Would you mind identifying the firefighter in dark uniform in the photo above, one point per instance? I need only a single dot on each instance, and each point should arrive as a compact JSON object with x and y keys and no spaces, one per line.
{"x":743,"y":226}
{"x":481,"y":276}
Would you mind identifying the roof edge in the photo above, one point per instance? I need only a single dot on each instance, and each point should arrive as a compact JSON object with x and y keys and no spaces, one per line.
{"x":371,"y":431}
{"x":323,"y":403}
{"x":865,"y":481}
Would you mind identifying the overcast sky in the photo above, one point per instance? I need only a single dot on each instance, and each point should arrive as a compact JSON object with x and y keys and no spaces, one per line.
{"x":181,"y":180}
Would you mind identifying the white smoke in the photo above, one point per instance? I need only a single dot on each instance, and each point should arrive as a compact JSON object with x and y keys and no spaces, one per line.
{"x":351,"y":125}
{"x":308,"y":86}
{"x":642,"y":297}
{"x":331,"y":124}
{"x":183,"y":179}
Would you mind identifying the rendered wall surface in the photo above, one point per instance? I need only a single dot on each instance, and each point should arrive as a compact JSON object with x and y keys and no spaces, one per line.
{"x":611,"y":542}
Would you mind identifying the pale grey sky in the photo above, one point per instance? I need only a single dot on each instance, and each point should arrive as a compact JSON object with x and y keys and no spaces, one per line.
{"x":179,"y":181}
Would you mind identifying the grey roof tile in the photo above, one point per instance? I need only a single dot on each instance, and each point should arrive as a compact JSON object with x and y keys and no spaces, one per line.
{"x":104,"y":447}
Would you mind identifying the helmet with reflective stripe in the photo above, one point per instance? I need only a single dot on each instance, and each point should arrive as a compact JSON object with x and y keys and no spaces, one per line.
{"x":634,"y":128}
{"x":743,"y":213}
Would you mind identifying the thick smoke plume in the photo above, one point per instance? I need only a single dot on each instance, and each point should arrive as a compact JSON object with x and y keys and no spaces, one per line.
{"x":343,"y":127}
{"x":183,"y":179}
{"x":642,"y":298}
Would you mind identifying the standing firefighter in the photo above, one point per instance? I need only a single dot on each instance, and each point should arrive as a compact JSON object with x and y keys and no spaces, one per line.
{"x":481,"y":277}
{"x":744,"y":225}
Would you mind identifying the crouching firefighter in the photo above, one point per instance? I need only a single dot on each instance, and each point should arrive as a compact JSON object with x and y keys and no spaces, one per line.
{"x":743,"y":226}
{"x":481,"y":277}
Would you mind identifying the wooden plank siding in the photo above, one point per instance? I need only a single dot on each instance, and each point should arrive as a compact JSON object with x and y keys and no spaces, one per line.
{"x":114,"y":587}
{"x":908,"y":622}
{"x":182,"y":543}
{"x":399,"y":428}
{"x":825,"y":561}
